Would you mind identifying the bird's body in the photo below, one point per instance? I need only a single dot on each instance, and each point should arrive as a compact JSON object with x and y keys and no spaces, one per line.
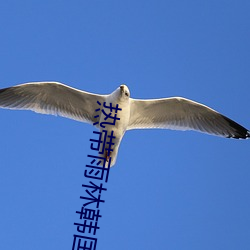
{"x":167,"y":113}
{"x":120,"y":126}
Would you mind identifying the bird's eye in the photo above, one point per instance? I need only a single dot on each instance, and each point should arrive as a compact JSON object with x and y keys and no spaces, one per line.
{"x":126,"y":93}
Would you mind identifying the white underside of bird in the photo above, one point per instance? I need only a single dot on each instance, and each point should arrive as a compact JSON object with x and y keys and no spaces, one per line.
{"x":167,"y":113}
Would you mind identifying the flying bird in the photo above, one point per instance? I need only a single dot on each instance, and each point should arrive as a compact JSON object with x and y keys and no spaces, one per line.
{"x":175,"y":113}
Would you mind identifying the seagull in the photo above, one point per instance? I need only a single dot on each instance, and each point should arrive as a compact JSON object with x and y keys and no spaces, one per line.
{"x":175,"y":113}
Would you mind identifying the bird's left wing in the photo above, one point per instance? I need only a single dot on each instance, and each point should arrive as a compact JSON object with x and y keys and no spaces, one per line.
{"x":52,"y":98}
{"x":182,"y":114}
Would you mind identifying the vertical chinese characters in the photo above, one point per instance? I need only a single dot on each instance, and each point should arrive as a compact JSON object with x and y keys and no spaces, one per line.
{"x":98,"y":171}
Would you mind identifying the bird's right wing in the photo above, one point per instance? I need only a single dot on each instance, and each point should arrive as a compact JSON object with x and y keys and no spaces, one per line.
{"x":52,"y":98}
{"x":182,"y":114}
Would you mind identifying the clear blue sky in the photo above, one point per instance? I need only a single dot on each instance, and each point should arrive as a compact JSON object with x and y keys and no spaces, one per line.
{"x":169,"y":189}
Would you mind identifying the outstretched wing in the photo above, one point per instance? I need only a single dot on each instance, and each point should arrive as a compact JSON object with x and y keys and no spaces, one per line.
{"x":182,"y":114}
{"x":52,"y":98}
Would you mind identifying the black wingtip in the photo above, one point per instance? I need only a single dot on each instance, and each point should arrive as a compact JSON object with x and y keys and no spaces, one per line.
{"x":239,"y":131}
{"x":3,"y":90}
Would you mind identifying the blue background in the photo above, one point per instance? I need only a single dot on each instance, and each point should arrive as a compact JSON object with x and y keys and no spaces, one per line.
{"x":169,"y":189}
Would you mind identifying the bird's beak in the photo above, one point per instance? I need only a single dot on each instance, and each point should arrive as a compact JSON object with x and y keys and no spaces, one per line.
{"x":122,"y":88}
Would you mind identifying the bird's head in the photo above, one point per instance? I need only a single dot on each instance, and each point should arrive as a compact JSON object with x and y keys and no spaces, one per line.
{"x":124,"y":91}
{"x":121,"y":94}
